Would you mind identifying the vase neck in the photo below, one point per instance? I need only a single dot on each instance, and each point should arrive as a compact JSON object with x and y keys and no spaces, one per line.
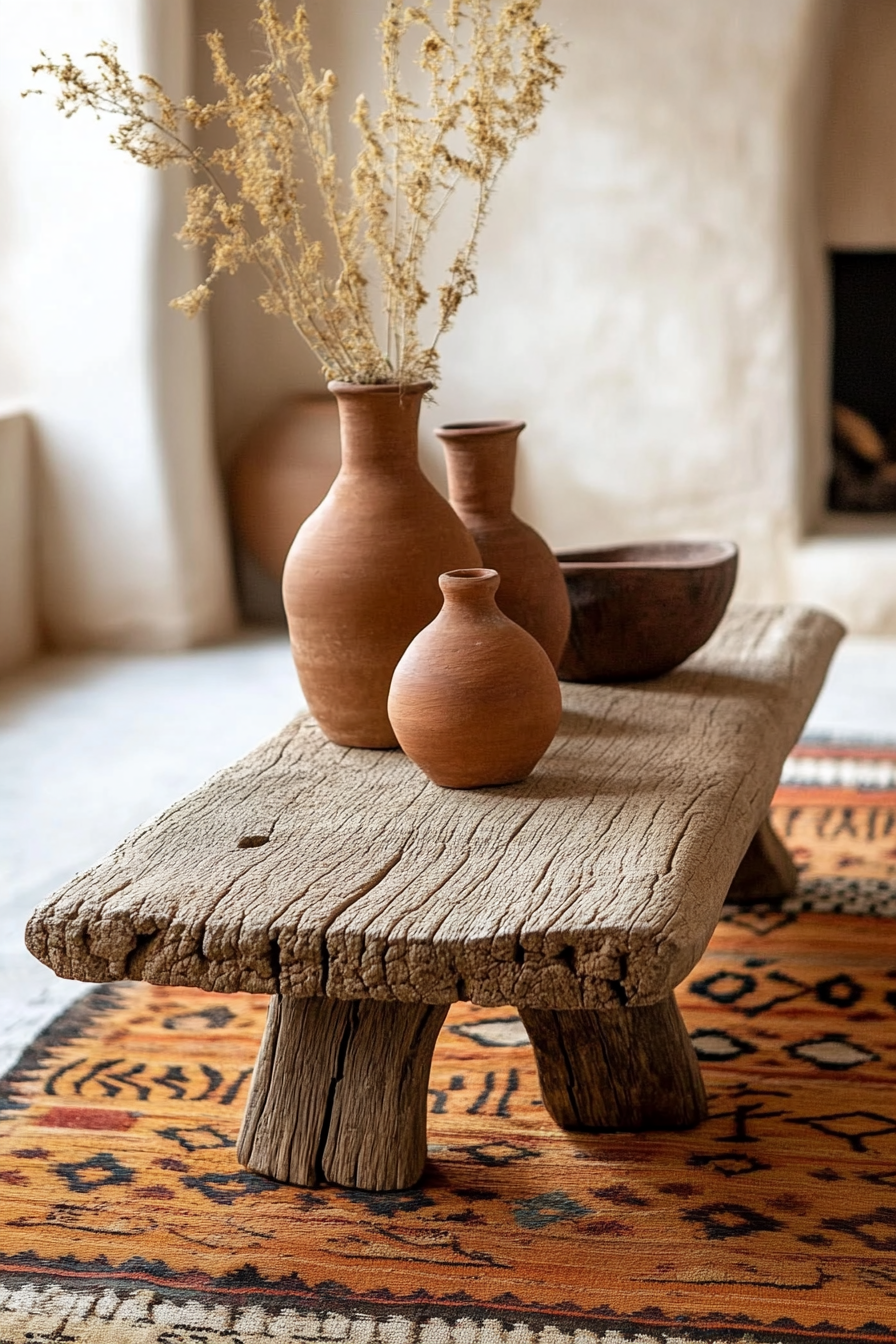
{"x":378,"y":425}
{"x":471,"y":590}
{"x":481,"y":461}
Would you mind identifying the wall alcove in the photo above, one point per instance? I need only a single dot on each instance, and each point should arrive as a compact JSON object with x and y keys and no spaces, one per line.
{"x":842,"y":192}
{"x":858,"y":201}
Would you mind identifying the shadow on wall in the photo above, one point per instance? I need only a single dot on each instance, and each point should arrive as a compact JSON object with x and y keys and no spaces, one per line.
{"x":132,"y":547}
{"x":19,"y":632}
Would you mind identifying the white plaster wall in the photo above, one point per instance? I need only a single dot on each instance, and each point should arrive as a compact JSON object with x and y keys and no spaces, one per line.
{"x":652,"y":289}
{"x":133,"y":551}
{"x":637,"y":305}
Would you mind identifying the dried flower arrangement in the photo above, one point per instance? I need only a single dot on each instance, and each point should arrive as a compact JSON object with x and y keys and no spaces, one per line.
{"x":487,"y":74}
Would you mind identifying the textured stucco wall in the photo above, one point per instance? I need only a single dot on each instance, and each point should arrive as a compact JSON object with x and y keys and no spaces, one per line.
{"x":638,"y":306}
{"x":652,"y":289}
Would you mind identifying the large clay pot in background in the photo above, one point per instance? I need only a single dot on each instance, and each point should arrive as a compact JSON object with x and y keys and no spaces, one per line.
{"x":281,"y":472}
{"x":362,"y":576}
{"x":481,"y":459}
{"x":475,"y":699}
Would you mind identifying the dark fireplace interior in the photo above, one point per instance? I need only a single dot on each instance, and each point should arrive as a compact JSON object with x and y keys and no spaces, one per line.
{"x":863,"y":479}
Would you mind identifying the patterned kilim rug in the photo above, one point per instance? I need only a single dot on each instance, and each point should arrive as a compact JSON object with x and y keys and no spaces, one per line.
{"x":124,"y":1215}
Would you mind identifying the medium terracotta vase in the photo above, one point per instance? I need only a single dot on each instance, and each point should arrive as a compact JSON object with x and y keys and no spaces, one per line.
{"x":481,"y":458}
{"x":362,"y":576}
{"x":474,"y":700}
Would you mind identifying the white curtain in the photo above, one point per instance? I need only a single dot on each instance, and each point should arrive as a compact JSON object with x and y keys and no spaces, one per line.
{"x":132,"y":549}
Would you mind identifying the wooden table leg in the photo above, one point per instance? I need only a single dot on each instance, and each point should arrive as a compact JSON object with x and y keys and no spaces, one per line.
{"x":339,"y":1093}
{"x":766,"y":870}
{"x":628,"y":1069}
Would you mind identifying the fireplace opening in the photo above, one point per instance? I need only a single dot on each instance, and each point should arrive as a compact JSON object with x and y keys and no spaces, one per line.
{"x":863,"y":477}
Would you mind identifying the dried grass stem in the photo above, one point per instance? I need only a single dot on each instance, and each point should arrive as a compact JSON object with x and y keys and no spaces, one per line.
{"x":489,"y":65}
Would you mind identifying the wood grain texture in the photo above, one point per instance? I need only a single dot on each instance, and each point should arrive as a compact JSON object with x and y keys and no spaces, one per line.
{"x":312,"y":869}
{"x":766,"y":871}
{"x":630,"y":1070}
{"x":339,"y":1093}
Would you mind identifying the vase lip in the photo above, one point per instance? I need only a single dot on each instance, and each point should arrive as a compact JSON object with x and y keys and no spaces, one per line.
{"x":340,"y":388}
{"x":468,"y":429}
{"x":460,"y":580}
{"x":641,"y":556}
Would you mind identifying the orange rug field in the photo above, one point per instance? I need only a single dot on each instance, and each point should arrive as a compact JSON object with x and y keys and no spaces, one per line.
{"x":124,"y":1215}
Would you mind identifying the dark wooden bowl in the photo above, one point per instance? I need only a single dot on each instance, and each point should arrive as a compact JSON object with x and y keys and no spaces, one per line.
{"x":640,"y":610}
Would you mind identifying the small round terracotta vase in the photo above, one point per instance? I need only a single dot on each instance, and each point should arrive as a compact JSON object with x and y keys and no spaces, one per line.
{"x":481,"y":458}
{"x":475,"y":699}
{"x":362,"y":576}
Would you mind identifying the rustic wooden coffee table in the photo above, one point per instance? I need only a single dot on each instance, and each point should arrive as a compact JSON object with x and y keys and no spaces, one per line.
{"x":365,"y":900}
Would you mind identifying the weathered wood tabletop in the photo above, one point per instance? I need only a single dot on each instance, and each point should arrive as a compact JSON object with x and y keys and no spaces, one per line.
{"x":345,"y":884}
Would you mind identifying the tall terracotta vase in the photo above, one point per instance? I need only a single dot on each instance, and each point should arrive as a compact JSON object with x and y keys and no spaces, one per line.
{"x":362,"y":576}
{"x":481,"y":458}
{"x":474,"y":700}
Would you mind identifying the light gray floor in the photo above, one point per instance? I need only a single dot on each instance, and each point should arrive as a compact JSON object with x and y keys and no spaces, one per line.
{"x":93,"y":745}
{"x":858,"y":702}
